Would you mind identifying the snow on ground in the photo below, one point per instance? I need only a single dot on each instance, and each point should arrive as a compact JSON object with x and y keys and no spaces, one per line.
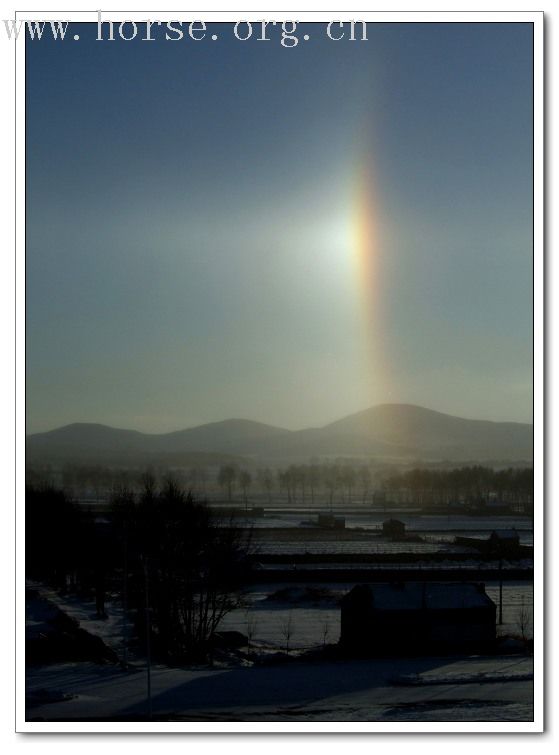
{"x":347,"y":547}
{"x":361,"y":690}
{"x":111,"y":629}
{"x":430,"y":525}
{"x":418,"y":565}
{"x":309,"y":622}
{"x":443,"y":689}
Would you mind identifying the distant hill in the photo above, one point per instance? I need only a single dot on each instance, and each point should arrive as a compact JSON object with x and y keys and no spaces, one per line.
{"x":429,"y":434}
{"x":217,"y":442}
{"x":389,"y":432}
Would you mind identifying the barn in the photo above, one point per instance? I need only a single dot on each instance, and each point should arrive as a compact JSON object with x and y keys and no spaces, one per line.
{"x":414,"y":617}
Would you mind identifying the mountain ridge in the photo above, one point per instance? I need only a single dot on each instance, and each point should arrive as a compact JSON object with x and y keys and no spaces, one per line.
{"x":387,"y":431}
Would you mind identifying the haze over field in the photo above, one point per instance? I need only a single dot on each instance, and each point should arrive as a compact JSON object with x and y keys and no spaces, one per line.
{"x":387,"y":432}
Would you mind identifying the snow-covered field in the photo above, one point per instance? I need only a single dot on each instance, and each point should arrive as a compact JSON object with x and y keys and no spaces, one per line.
{"x":301,"y":617}
{"x":313,"y":617}
{"x":426,"y":524}
{"x":404,"y":689}
{"x":290,"y":534}
{"x":456,"y":689}
{"x":344,"y":547}
{"x":270,"y":618}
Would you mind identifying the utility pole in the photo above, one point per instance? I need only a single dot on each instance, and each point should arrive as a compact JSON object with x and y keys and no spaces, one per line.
{"x":500,"y":588}
{"x":125,"y":604}
{"x":148,"y":633}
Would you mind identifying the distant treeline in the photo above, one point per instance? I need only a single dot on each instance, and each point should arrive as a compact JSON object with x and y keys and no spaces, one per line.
{"x":475,"y":485}
{"x":332,"y":482}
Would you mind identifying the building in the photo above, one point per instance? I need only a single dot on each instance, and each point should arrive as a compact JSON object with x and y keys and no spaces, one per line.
{"x":394,"y":529}
{"x":415,"y":617}
{"x":504,"y":541}
{"x":499,"y":543}
{"x":330,"y":522}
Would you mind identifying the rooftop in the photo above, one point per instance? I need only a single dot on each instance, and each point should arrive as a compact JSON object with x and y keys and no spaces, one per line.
{"x":412,"y":596}
{"x":511,"y":534}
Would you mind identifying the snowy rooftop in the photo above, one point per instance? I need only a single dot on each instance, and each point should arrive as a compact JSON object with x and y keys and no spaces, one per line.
{"x":511,"y":534}
{"x":435,"y":595}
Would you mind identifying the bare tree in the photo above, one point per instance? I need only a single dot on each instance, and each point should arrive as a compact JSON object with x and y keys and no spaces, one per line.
{"x":252,"y":627}
{"x":268,"y":484}
{"x":365,"y":480}
{"x":347,"y":478}
{"x":266,"y":481}
{"x":314,"y":479}
{"x":287,"y":631}
{"x":226,"y":479}
{"x":245,"y":481}
{"x":331,"y":481}
{"x":325,"y":630}
{"x":524,"y":620}
{"x":196,"y":569}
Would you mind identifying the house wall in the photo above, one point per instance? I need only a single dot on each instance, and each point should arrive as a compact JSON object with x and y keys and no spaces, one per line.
{"x":364,"y":629}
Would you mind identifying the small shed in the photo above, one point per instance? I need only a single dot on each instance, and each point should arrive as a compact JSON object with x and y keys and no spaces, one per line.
{"x":402,"y":618}
{"x":394,"y":528}
{"x":504,"y":541}
{"x":331,"y":522}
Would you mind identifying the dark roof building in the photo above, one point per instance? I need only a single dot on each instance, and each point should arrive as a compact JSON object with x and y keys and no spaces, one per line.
{"x":509,"y":536}
{"x":328,"y":521}
{"x":499,"y":543}
{"x":394,"y":528}
{"x":504,"y":541}
{"x":402,"y":618}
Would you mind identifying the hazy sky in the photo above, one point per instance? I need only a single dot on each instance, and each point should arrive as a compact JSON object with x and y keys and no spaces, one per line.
{"x":191,"y":226}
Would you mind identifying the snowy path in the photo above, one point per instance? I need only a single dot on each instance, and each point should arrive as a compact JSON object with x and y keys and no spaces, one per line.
{"x":110,"y":630}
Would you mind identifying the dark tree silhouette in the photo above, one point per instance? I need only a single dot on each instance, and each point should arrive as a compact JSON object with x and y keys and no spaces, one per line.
{"x":245,"y":481}
{"x":226,"y":478}
{"x":55,"y":536}
{"x":195,"y":567}
{"x":474,"y":485}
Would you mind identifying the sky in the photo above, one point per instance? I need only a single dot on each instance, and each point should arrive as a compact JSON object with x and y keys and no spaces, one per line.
{"x":225,"y":229}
